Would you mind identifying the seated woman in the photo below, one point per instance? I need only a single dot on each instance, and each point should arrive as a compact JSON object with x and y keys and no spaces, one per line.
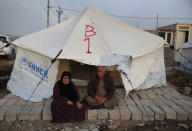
{"x":66,"y":105}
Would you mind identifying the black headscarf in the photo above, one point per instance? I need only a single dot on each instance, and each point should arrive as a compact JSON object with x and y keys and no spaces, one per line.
{"x":67,"y":90}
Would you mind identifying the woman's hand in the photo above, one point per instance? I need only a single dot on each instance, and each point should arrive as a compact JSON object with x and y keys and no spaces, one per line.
{"x":69,"y":102}
{"x":79,"y":105}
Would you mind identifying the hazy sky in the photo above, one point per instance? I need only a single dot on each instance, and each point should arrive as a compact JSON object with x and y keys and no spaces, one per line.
{"x":21,"y":17}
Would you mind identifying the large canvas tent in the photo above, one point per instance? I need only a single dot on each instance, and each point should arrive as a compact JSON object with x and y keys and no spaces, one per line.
{"x":187,"y":59}
{"x":86,"y":38}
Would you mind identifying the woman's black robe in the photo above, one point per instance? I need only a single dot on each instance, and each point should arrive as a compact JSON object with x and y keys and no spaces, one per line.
{"x":63,"y":112}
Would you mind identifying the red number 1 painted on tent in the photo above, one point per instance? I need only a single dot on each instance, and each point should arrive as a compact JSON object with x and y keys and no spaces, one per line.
{"x":89,"y":32}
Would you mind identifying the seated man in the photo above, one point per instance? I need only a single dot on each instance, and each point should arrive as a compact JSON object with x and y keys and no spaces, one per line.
{"x":101,"y":91}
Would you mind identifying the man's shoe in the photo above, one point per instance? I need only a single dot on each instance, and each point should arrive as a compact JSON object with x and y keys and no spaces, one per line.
{"x":96,"y":106}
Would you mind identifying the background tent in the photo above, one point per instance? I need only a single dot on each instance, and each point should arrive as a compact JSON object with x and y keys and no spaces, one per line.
{"x":86,"y":38}
{"x":187,"y":53}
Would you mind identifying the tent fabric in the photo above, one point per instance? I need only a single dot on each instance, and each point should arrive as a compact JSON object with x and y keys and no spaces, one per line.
{"x":87,"y":38}
{"x":29,"y":68}
{"x":187,"y":45}
{"x":112,"y":37}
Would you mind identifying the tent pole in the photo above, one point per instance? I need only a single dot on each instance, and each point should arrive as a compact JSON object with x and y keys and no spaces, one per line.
{"x":88,"y":72}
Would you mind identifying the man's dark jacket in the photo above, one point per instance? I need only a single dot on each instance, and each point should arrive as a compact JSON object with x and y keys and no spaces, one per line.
{"x":108,"y":85}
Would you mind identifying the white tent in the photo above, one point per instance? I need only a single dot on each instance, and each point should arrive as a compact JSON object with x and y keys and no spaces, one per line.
{"x":86,"y":38}
{"x":187,"y":53}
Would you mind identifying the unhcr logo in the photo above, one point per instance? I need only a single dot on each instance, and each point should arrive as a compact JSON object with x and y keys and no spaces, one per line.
{"x":29,"y":66}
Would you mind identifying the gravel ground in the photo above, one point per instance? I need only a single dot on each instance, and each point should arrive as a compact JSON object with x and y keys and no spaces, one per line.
{"x":97,"y":126}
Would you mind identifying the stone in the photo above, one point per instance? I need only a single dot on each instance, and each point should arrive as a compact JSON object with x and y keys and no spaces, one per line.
{"x":102,"y":114}
{"x":187,"y":90}
{"x":188,"y":103}
{"x":146,"y":112}
{"x":76,"y":127}
{"x":94,"y":129}
{"x":156,"y":128}
{"x":159,"y":102}
{"x":11,"y":113}
{"x":113,"y":127}
{"x":160,"y":97}
{"x":135,"y":113}
{"x":183,"y":102}
{"x":159,"y":114}
{"x":181,"y":114}
{"x":92,"y":114}
{"x":150,"y":93}
{"x":35,"y":113}
{"x":24,"y":112}
{"x":134,"y":95}
{"x":2,"y":101}
{"x":140,"y":124}
{"x":2,"y":112}
{"x":121,"y":102}
{"x":183,"y":125}
{"x":158,"y":91}
{"x":151,"y":96}
{"x":41,"y":103}
{"x":188,"y":109}
{"x":168,"y":96}
{"x":169,"y":102}
{"x":82,"y":130}
{"x":124,"y":113}
{"x":48,"y":102}
{"x":10,"y":96}
{"x":147,"y":102}
{"x":68,"y":129}
{"x":184,"y":97}
{"x":10,"y":102}
{"x":46,"y":114}
{"x":170,"y":113}
{"x":114,"y":114}
{"x":20,"y":102}
{"x":129,"y":102}
{"x":143,"y":95}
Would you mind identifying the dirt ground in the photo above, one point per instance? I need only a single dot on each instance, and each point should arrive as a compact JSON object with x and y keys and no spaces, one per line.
{"x":6,"y":66}
{"x":97,"y":126}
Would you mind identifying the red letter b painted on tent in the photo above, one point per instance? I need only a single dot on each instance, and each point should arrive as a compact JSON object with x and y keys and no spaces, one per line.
{"x":89,"y":31}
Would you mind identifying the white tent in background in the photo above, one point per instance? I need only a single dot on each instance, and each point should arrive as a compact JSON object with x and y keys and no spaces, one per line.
{"x":187,"y":53}
{"x":88,"y":37}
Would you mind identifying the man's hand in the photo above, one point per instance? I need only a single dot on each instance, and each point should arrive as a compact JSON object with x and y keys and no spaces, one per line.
{"x":79,"y":105}
{"x":103,"y":100}
{"x":100,"y":100}
{"x":69,"y":102}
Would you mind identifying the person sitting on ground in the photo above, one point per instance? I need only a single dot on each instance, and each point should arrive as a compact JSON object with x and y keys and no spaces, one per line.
{"x":66,"y":105}
{"x":101,"y":91}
